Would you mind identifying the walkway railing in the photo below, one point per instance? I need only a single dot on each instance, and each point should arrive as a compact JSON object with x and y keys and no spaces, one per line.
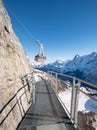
{"x":16,"y":101}
{"x":61,"y":83}
{"x":74,"y":94}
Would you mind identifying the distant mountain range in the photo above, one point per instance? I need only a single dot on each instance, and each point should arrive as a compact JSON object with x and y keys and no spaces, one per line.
{"x":84,"y":67}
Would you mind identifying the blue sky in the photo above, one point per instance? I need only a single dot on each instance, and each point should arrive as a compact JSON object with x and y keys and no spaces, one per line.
{"x":64,"y":27}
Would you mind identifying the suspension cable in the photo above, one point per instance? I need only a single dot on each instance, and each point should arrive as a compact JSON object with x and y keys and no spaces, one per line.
{"x":20,"y":22}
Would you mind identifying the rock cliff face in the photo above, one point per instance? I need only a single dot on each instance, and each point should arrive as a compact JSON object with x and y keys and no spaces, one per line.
{"x":13,"y":64}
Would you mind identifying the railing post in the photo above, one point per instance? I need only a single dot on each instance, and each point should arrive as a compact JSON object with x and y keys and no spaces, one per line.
{"x":51,"y":73}
{"x":49,"y":77}
{"x":33,"y":88}
{"x":56,"y":83}
{"x":76,"y":102}
{"x":72,"y":100}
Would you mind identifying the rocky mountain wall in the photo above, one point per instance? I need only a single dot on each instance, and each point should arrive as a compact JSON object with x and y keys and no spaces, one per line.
{"x":13,"y":65}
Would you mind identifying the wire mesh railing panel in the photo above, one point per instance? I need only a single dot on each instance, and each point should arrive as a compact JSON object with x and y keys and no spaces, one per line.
{"x":77,"y":97}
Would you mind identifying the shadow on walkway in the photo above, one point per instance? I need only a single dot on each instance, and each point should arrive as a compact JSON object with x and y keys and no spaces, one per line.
{"x":47,"y":112}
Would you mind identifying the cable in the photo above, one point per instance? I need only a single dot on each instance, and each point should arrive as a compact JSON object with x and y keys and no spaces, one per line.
{"x":21,"y":23}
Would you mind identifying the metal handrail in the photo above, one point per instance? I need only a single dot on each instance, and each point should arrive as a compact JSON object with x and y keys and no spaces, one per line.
{"x":72,"y":77}
{"x":13,"y":97}
{"x":76,"y":84}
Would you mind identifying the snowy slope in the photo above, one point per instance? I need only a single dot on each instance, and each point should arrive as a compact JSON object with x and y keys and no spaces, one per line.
{"x":57,"y":66}
{"x":84,"y":67}
{"x":84,"y":102}
{"x":86,"y":63}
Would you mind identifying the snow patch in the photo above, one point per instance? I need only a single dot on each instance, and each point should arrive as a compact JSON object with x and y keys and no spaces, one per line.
{"x":85,"y":104}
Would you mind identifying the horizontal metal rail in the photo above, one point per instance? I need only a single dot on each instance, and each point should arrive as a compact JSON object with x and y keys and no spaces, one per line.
{"x":76,"y":84}
{"x":27,"y":79}
{"x":14,"y":96}
{"x":72,"y":77}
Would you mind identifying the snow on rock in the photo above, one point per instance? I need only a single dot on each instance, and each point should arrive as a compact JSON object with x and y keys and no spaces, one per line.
{"x":39,"y":75}
{"x":87,"y":109}
{"x":82,"y":99}
{"x":65,"y":96}
{"x":85,"y":104}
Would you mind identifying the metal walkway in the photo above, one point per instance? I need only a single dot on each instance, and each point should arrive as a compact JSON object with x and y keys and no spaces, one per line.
{"x":47,"y":112}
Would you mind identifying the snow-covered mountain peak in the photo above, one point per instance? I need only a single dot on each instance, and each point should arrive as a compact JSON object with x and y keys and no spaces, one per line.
{"x":59,"y":61}
{"x":76,"y":56}
{"x":79,"y":65}
{"x":93,"y":54}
